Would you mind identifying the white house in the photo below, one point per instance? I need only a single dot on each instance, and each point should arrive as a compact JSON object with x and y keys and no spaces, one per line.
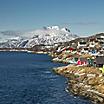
{"x":81,"y":44}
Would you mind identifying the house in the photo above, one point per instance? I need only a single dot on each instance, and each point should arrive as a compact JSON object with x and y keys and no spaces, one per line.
{"x":94,"y":52}
{"x":101,"y":44}
{"x":82,"y":44}
{"x":82,"y":61}
{"x":91,"y":61}
{"x":100,"y":38}
{"x":92,"y":45}
{"x":99,"y":61}
{"x":85,"y":50}
{"x":71,"y":49}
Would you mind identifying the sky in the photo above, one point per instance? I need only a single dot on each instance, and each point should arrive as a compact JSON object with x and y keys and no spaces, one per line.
{"x":82,"y":17}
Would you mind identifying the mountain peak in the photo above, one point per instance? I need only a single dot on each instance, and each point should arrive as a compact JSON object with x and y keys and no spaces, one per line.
{"x":54,"y":27}
{"x":65,"y":29}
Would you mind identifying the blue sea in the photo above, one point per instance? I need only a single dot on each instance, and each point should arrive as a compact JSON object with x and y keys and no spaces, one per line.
{"x":27,"y":78}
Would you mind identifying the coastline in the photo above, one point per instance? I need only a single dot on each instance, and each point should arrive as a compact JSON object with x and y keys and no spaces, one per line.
{"x":87,"y":82}
{"x":23,"y":50}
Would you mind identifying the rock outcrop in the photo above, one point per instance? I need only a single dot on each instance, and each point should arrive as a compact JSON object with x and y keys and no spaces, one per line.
{"x":84,"y":81}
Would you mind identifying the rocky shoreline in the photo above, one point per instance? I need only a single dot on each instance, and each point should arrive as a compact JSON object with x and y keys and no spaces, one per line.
{"x":84,"y":81}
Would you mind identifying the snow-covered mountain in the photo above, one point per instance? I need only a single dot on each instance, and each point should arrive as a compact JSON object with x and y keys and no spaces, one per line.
{"x":46,"y":36}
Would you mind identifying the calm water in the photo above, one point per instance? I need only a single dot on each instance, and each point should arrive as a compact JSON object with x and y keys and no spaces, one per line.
{"x":28,"y":79}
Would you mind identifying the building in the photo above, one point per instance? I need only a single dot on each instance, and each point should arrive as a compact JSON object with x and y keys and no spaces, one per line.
{"x":99,"y":61}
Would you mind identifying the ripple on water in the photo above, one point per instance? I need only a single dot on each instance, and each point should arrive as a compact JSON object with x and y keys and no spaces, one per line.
{"x":28,"y":79}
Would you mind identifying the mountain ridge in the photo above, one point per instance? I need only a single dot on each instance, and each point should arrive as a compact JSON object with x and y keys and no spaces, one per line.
{"x":46,"y":36}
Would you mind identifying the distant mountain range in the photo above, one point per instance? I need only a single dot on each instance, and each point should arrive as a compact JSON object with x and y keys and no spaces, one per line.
{"x":45,"y":36}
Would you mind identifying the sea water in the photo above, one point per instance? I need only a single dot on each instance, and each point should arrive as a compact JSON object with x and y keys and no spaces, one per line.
{"x":27,"y":78}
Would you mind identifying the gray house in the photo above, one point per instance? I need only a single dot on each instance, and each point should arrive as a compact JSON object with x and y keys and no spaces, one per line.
{"x":99,"y":61}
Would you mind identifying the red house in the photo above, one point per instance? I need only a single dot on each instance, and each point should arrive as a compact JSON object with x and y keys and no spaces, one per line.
{"x":82,"y":61}
{"x":71,"y":49}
